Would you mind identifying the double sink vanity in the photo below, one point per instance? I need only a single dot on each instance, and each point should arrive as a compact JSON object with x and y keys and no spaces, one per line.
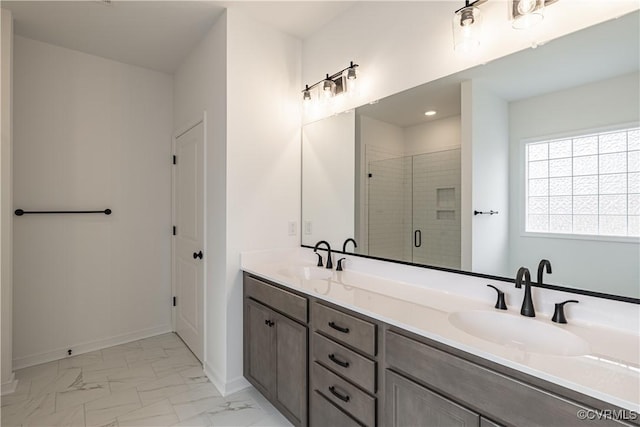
{"x":405,"y":331}
{"x":397,"y":345}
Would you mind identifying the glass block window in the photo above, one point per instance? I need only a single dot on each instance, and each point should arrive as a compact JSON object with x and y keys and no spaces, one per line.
{"x":588,"y":184}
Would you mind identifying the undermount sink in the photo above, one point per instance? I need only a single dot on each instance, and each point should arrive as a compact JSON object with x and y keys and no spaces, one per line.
{"x":307,"y":272}
{"x":519,"y":332}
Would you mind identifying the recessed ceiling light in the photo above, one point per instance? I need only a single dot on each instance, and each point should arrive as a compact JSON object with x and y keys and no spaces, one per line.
{"x":430,"y":113}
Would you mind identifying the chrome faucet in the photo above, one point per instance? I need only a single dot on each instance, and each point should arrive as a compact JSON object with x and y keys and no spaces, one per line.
{"x":324,"y":242}
{"x":344,"y":245}
{"x":527,"y":303}
{"x":543,"y":264}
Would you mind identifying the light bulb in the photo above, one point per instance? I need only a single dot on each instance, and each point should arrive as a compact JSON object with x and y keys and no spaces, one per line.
{"x":527,"y":13}
{"x":526,"y":6}
{"x":467,"y":24}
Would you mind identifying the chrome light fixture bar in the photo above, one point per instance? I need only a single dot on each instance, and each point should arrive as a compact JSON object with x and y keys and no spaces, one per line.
{"x":333,"y":84}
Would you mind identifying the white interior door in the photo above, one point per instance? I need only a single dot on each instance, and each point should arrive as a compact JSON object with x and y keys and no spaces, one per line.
{"x":188,"y":259}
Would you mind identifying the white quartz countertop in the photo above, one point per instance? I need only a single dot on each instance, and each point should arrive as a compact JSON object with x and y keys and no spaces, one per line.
{"x":610,"y":371}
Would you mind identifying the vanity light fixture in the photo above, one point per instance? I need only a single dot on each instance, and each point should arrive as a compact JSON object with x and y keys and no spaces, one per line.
{"x":527,"y":13}
{"x":430,"y":113}
{"x":329,"y":86}
{"x":467,"y":24}
{"x":333,"y":84}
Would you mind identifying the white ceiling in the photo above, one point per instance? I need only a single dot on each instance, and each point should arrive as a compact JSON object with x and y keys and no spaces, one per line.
{"x":154,"y":34}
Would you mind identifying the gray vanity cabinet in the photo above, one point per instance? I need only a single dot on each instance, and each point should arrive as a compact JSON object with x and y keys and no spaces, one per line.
{"x":275,"y":351}
{"x":408,"y":404}
{"x":343,"y":368}
{"x":424,"y":381}
{"x":325,"y":366}
{"x":260,"y":341}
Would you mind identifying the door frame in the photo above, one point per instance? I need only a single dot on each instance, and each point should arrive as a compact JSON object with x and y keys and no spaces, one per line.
{"x":181,"y":131}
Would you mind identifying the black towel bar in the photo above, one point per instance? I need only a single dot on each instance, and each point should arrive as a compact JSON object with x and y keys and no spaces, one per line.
{"x":21,"y":212}
{"x":485,"y":213}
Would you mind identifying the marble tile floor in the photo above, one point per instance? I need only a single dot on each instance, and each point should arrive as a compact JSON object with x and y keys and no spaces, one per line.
{"x":151,"y":382}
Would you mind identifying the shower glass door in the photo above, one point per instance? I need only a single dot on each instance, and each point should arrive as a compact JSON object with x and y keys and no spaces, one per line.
{"x":414,"y":208}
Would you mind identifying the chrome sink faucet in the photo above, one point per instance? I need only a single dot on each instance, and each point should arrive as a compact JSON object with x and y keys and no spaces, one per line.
{"x":527,"y":303}
{"x":324,"y":242}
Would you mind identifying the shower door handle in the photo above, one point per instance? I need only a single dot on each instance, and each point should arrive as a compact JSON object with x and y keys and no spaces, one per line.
{"x":417,"y":238}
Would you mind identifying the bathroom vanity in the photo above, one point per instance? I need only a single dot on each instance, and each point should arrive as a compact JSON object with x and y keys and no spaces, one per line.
{"x":349,"y":349}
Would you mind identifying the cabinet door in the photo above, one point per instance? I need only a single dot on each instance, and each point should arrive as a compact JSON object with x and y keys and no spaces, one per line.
{"x":408,"y":404}
{"x":259,"y":342}
{"x":488,"y":423}
{"x":291,"y":368}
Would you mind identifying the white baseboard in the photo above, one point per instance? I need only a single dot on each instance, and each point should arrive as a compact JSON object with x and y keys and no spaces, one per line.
{"x":237,"y":384}
{"x":225,"y":387}
{"x":10,"y":386}
{"x":214,"y":378}
{"x":86,"y":347}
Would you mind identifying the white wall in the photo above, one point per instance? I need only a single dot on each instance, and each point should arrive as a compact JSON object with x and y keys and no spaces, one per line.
{"x":485,"y":142}
{"x":263,"y":154}
{"x":328,"y":180}
{"x":200,"y":84}
{"x":6,"y":202}
{"x":597,"y":105}
{"x":89,"y":133}
{"x":431,"y":136}
{"x":399,"y":45}
{"x":246,"y":76}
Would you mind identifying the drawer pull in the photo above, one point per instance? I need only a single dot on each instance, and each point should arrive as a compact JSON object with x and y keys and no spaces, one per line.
{"x":337,"y":361}
{"x":343,"y":397}
{"x":339,"y":328}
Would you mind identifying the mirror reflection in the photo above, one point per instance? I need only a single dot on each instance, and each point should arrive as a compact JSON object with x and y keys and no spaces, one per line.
{"x":547,"y":139}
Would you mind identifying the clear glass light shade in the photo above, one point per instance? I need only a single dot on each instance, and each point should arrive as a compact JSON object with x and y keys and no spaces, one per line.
{"x":328,"y":88}
{"x":306,"y":95}
{"x":467,"y":26}
{"x":526,"y":13}
{"x":351,"y":73}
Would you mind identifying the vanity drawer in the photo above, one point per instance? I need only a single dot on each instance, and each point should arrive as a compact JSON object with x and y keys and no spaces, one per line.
{"x":323,"y":413}
{"x":360,"y":370}
{"x":343,"y":394}
{"x":343,"y":327}
{"x":291,"y":304}
{"x":504,"y":399}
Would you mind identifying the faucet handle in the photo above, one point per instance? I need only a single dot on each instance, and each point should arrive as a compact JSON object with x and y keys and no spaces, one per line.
{"x":339,"y":266}
{"x":558,"y":314}
{"x":319,"y":260}
{"x":500,"y":304}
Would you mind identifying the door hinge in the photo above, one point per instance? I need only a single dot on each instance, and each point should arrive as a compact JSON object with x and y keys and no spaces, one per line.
{"x":175,"y":160}
{"x":174,"y":301}
{"x":175,"y":230}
